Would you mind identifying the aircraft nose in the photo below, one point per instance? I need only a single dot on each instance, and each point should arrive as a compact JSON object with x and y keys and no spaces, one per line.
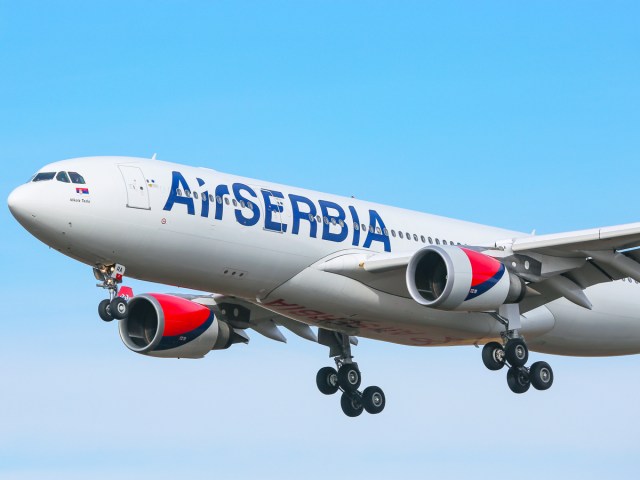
{"x":19,"y":203}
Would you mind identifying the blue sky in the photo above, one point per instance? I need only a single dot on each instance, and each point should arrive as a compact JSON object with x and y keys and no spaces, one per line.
{"x":521,"y":115}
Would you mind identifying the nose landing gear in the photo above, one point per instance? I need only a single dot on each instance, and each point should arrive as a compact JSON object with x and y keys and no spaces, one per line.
{"x":114,"y":307}
{"x":514,"y":353}
{"x":347,"y":378}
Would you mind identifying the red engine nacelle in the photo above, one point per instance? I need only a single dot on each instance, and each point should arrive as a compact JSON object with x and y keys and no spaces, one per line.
{"x":163,"y":325}
{"x":456,"y":278}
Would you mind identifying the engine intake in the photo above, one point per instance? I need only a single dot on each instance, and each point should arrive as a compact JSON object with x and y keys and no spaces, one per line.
{"x":163,"y":325}
{"x":456,"y":278}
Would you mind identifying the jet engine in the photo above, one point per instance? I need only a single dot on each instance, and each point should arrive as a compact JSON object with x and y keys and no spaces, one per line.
{"x":167,"y":326}
{"x":455,"y":278}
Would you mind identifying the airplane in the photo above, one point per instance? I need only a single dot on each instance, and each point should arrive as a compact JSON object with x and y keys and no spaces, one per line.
{"x":276,"y":257}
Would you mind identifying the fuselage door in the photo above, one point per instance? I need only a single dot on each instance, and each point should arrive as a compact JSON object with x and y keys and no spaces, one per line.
{"x":273,"y":208}
{"x":137,"y":190}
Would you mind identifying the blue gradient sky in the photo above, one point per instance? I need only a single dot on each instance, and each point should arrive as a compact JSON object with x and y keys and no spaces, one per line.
{"x":522,"y":115}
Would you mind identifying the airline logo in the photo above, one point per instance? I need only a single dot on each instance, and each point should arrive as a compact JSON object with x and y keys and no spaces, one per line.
{"x":485,"y":273}
{"x":82,"y":190}
{"x":292,"y":213}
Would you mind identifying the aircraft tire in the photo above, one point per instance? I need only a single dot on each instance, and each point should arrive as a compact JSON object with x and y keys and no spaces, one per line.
{"x":351,"y":404}
{"x":104,"y":310}
{"x":327,"y":380}
{"x":119,"y":308}
{"x":373,"y":400}
{"x":493,"y":356}
{"x":349,"y":377}
{"x":541,"y":375}
{"x":516,"y":352}
{"x":518,"y":379}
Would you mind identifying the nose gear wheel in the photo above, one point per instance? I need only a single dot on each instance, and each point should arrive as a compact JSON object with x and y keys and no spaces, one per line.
{"x":114,"y":307}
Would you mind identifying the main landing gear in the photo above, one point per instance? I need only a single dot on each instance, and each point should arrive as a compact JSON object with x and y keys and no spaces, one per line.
{"x":514,"y":353}
{"x":347,"y":377}
{"x":114,"y":307}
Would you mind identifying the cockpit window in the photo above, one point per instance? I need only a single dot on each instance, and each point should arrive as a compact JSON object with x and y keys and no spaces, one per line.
{"x":42,"y":176}
{"x":62,"y":177}
{"x":76,"y":178}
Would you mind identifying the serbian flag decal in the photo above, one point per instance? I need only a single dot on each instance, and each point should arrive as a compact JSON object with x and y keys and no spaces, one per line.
{"x":82,"y":190}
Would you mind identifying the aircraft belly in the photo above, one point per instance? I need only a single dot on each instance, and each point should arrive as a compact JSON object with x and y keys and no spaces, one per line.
{"x":340,"y":303}
{"x":612,"y":327}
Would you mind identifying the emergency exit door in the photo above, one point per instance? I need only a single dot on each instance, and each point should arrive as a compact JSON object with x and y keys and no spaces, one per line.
{"x":137,"y":190}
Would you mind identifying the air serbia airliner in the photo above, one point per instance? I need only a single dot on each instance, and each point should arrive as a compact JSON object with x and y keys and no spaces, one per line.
{"x":280,"y":257}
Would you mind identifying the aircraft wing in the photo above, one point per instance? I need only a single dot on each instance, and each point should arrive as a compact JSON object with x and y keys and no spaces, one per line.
{"x":553,"y":266}
{"x":241,"y":315}
{"x":567,"y":263}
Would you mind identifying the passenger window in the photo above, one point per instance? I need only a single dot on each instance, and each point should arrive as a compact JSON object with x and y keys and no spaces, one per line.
{"x":437,"y":241}
{"x":178,"y":192}
{"x":219,"y":199}
{"x":326,"y":220}
{"x":187,"y":193}
{"x":319,"y":219}
{"x":333,"y":221}
{"x":408,"y":236}
{"x":195,"y":195}
{"x":235,"y":203}
{"x":312,"y":218}
{"x":62,"y":177}
{"x":211,"y":199}
{"x":364,"y":227}
{"x":444,"y":242}
{"x":400,"y":234}
{"x":356,"y":226}
{"x":424,"y":240}
{"x":430,"y":240}
{"x":341,"y":223}
{"x":76,"y":178}
{"x":242,"y":204}
{"x":393,"y":233}
{"x":386,"y":232}
{"x":415,"y":237}
{"x":250,"y":205}
{"x":226,"y":200}
{"x":378,"y":231}
{"x":43,"y":176}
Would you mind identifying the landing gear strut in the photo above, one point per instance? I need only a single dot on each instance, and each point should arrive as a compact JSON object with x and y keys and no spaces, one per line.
{"x":114,"y":307}
{"x":514,"y":352}
{"x":347,"y":377}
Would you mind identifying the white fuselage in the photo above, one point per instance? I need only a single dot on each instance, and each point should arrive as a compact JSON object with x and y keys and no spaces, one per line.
{"x":207,"y":236}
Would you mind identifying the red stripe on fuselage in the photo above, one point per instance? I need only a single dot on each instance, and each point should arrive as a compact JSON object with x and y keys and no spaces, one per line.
{"x":180,"y":315}
{"x":483,"y":267}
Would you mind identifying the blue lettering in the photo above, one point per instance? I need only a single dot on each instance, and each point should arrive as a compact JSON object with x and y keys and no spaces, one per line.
{"x":356,"y":229}
{"x":221,"y":191}
{"x":179,"y":183}
{"x":255,"y":211}
{"x":377,"y":225}
{"x":270,"y":208}
{"x":309,"y":215}
{"x":336,"y":220}
{"x":204,"y":197}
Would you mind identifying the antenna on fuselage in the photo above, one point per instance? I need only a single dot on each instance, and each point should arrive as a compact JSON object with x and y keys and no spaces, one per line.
{"x":154,"y":156}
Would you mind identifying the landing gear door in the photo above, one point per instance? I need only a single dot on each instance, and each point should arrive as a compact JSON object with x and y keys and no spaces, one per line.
{"x":137,"y":190}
